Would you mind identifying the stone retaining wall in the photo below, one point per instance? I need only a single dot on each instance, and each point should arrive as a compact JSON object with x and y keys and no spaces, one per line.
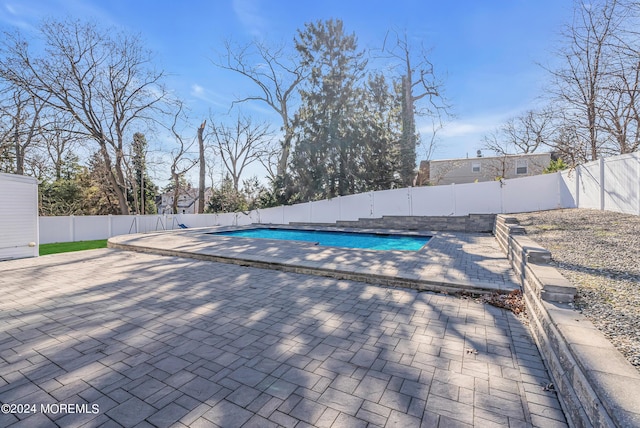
{"x":596,"y":385}
{"x":472,"y":223}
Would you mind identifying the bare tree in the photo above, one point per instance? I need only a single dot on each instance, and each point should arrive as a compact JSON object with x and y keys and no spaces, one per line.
{"x":181,"y":163}
{"x":60,"y":141}
{"x":103,"y":79}
{"x":579,"y":85}
{"x":276,"y":74}
{"x":240,"y":145}
{"x":22,"y":115}
{"x":524,"y":133}
{"x":496,"y":142}
{"x":620,"y":108}
{"x":418,"y":82}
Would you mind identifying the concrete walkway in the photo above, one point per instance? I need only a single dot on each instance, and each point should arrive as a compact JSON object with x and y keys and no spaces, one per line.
{"x":149,"y":340}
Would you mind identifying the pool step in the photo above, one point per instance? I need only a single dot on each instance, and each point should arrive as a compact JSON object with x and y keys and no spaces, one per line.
{"x":472,"y":223}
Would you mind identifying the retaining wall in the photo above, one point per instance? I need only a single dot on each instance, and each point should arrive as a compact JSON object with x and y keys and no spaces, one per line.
{"x":472,"y":223}
{"x":596,"y":385}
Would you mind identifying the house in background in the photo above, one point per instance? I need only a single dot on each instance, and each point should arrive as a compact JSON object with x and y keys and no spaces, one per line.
{"x":187,"y":201}
{"x":490,"y":168}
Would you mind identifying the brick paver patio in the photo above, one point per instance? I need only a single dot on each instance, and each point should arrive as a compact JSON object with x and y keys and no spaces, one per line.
{"x":165,"y":341}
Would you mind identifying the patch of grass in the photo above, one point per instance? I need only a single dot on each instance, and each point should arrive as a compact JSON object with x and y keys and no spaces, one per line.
{"x":65,"y":247}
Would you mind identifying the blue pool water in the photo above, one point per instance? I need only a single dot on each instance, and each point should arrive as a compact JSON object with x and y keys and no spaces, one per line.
{"x":369,"y":241}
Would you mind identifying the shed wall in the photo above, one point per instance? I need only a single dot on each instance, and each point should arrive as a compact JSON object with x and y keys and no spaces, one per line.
{"x":19,"y":214}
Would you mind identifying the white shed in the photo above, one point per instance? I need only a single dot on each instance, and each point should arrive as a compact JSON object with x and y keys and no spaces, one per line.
{"x":18,"y":216}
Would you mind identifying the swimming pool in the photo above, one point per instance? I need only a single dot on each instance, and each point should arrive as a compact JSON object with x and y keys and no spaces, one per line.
{"x":369,"y":241}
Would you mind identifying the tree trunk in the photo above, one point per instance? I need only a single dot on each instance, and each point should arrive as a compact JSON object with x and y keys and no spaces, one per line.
{"x":19,"y":153}
{"x":115,"y":180}
{"x":201,"y":182}
{"x":176,"y":192}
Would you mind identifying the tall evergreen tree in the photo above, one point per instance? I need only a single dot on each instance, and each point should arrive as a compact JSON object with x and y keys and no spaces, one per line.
{"x":324,"y":162}
{"x":142,"y":188}
{"x":382,"y":124}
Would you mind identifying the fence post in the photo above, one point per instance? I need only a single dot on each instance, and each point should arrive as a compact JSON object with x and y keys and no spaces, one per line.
{"x":637,"y":156}
{"x":578,"y":186}
{"x":601,"y":184}
{"x":110,"y":226}
{"x":72,"y":228}
{"x":501,"y":197}
{"x":372,"y":204}
{"x":410,"y":197}
{"x":453,"y":197}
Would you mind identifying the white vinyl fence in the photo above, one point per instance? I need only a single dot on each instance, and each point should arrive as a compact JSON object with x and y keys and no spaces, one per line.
{"x":535,"y":193}
{"x":610,"y":184}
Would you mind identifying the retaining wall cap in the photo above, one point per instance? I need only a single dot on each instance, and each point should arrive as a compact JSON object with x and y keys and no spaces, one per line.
{"x":534,"y":256}
{"x":550,"y":277}
{"x":559,"y":289}
{"x":606,"y":360}
{"x":506,"y":219}
{"x":620,"y":396}
{"x":529,"y":244}
{"x":516,"y":230}
{"x":563,"y":314}
{"x":583,"y":335}
{"x":556,"y":297}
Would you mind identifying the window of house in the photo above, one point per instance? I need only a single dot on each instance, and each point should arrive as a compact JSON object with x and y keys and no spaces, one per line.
{"x":475,"y":167}
{"x":522,"y":166}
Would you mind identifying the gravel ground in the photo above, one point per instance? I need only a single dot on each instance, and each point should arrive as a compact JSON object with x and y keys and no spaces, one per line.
{"x":599,"y":252}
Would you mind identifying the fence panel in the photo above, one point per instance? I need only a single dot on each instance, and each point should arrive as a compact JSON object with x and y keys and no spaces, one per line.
{"x":536,"y":193}
{"x":88,"y":228}
{"x":354,"y":207}
{"x":227,"y":219}
{"x":55,"y":229}
{"x":432,"y":201}
{"x":621,"y":184}
{"x":243,"y":219}
{"x":392,"y":202}
{"x":300,"y":213}
{"x":568,"y":186}
{"x":325,"y":211}
{"x":589,"y":185}
{"x":150,"y":223}
{"x":122,"y":224}
{"x":477,"y":198}
{"x":273,"y":215}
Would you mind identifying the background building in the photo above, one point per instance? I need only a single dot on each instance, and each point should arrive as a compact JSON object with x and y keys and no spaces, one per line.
{"x":490,"y":168}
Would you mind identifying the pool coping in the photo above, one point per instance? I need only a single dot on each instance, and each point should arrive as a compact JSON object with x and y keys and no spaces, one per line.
{"x":432,"y":268}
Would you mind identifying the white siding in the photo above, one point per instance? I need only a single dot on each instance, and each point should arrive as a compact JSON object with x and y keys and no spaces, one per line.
{"x":18,"y":216}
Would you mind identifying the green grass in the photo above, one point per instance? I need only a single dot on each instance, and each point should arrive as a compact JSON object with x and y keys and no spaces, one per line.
{"x":65,"y":247}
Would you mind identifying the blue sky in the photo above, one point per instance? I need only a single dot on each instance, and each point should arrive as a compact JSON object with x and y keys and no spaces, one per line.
{"x":486,"y":50}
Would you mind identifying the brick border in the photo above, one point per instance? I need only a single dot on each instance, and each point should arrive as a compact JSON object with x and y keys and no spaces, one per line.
{"x":596,"y":385}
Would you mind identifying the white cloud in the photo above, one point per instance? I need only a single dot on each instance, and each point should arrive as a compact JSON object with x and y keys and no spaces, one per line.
{"x":461,"y":129}
{"x":197,"y":90}
{"x":248,"y":12}
{"x":17,"y":15}
{"x":203,"y":94}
